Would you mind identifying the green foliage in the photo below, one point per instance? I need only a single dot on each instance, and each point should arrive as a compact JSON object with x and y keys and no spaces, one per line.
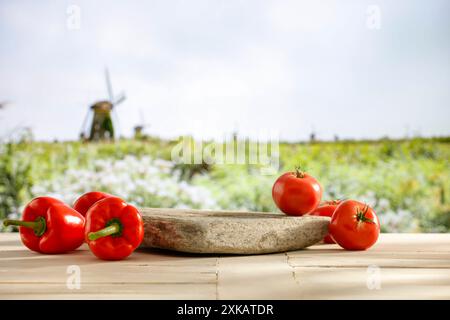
{"x":15,"y":180}
{"x":407,"y":182}
{"x":393,"y":176}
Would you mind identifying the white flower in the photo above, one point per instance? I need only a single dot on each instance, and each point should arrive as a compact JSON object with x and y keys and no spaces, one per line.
{"x":143,"y":181}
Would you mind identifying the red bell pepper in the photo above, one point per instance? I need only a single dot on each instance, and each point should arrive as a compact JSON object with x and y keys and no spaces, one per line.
{"x":114,"y":229}
{"x":50,"y":226}
{"x":83,"y":203}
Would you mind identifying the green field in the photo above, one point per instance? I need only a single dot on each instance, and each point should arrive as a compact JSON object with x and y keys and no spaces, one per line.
{"x":407,"y":182}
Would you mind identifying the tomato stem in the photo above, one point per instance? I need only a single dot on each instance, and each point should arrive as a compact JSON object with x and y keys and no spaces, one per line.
{"x":39,"y":225}
{"x":361,"y":215}
{"x":299,"y":173}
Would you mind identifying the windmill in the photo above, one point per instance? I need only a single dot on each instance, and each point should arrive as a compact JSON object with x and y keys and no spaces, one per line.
{"x":101,"y":126}
{"x":139,"y":128}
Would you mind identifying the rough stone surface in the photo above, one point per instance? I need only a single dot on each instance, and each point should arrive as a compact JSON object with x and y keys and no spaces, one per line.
{"x":197,"y":231}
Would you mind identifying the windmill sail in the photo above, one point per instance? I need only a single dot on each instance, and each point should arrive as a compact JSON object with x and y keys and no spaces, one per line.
{"x":121,"y":98}
{"x":109,"y":85}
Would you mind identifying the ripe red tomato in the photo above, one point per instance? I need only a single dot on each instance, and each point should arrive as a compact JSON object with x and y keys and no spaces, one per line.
{"x":354,"y":225}
{"x":83,"y":203}
{"x":326,"y":209}
{"x":296,"y":193}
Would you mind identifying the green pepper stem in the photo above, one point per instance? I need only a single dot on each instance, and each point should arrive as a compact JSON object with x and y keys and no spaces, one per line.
{"x":39,"y":225}
{"x":107,"y":231}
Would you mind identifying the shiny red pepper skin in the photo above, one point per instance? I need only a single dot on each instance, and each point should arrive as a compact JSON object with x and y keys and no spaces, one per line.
{"x":64,"y":227}
{"x":83,"y":203}
{"x":113,"y":211}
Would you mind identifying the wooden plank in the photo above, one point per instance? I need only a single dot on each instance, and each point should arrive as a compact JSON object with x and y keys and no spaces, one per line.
{"x":108,"y":291}
{"x":403,"y":242}
{"x":363,"y":259}
{"x":26,"y":260}
{"x":414,"y":242}
{"x":363,"y":283}
{"x":425,"y":251}
{"x":408,"y":266}
{"x":147,"y":274}
{"x":119,"y":275}
{"x":256,"y":277}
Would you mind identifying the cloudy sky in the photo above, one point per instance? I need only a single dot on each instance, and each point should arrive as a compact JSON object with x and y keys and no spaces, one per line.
{"x":210,"y":67}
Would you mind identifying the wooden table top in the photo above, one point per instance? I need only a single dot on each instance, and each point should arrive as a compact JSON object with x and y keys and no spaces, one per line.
{"x":399,"y":266}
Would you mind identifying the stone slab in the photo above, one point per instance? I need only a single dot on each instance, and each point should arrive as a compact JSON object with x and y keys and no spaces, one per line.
{"x":229,"y":232}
